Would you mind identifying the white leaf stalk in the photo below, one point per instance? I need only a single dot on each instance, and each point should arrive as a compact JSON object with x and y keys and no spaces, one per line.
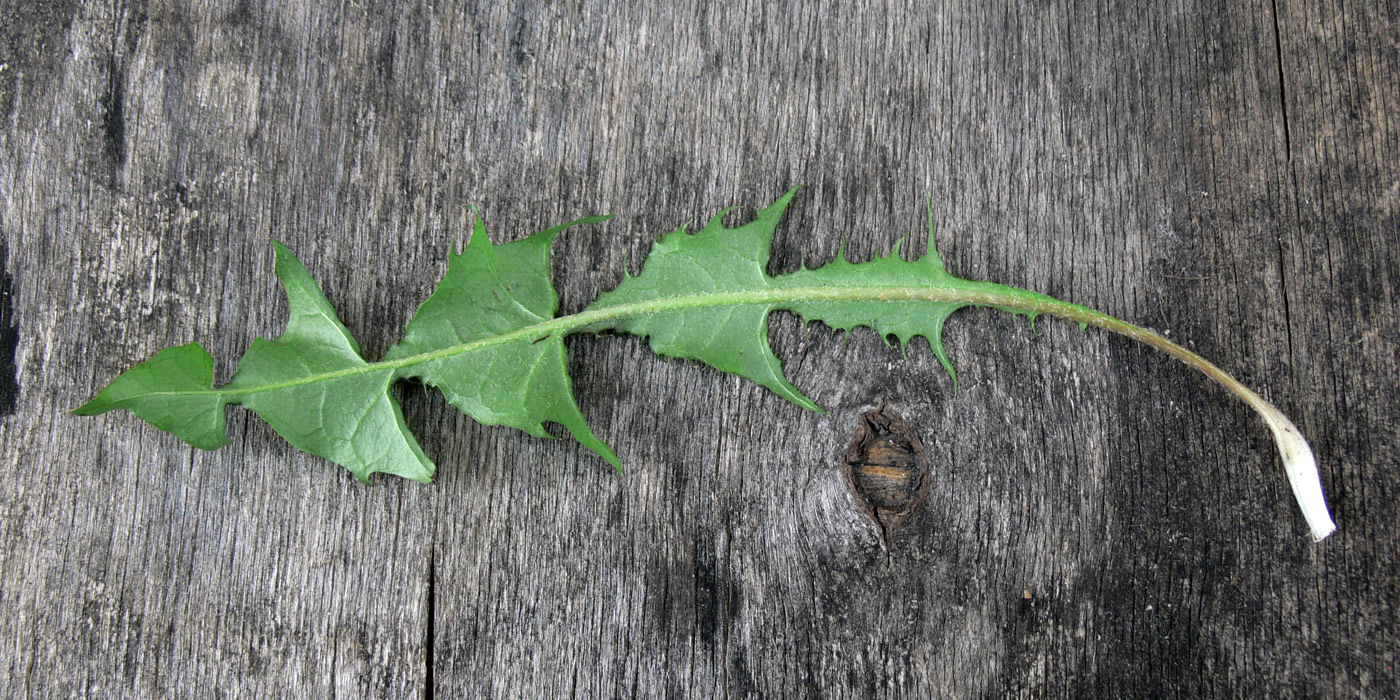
{"x":1301,"y":467}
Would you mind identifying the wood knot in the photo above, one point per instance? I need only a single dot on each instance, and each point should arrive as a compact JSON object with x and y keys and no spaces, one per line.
{"x":887,"y":470}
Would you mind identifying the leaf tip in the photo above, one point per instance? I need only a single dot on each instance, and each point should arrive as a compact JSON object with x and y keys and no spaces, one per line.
{"x":932,"y":258}
{"x":600,"y":448}
{"x":716,"y":222}
{"x":952,"y":373}
{"x":548,"y":235}
{"x":776,"y":209}
{"x":478,"y":229}
{"x":801,"y":400}
{"x":281,"y":253}
{"x":171,"y":391}
{"x":286,"y":263}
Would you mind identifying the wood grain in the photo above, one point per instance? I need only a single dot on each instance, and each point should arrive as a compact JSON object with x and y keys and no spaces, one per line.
{"x":1101,"y":522}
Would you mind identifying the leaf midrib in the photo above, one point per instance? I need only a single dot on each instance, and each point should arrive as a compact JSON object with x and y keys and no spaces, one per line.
{"x":977,"y":293}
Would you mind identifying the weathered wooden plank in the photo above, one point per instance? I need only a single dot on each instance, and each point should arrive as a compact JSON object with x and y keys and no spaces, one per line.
{"x":1341,"y":259}
{"x":1102,"y":523}
{"x":147,"y":161}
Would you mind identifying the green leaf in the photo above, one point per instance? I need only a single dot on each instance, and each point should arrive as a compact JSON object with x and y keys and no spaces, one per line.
{"x":490,"y":339}
{"x":488,"y":291}
{"x":316,"y":391}
{"x":172,"y":392}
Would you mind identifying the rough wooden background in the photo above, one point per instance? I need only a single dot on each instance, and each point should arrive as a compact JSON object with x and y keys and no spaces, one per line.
{"x":1104,"y":523}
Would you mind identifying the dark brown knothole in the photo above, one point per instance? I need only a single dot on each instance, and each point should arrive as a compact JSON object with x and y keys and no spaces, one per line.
{"x":887,"y":469}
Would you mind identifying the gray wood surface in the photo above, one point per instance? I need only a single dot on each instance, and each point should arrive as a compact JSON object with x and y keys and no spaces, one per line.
{"x":1103,"y":523}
